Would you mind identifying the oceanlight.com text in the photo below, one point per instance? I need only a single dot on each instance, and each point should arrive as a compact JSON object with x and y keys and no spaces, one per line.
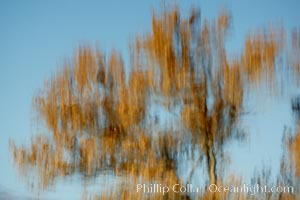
{"x":250,"y":189}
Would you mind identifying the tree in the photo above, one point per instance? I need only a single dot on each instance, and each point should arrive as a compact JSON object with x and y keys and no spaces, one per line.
{"x":98,"y":112}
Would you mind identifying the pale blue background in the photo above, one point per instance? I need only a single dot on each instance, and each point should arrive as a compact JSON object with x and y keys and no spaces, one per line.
{"x":36,"y":37}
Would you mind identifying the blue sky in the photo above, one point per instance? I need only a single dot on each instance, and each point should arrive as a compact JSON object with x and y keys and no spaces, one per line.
{"x":37,"y":36}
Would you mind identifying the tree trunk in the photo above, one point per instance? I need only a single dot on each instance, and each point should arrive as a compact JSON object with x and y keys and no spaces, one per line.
{"x":211,"y":162}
